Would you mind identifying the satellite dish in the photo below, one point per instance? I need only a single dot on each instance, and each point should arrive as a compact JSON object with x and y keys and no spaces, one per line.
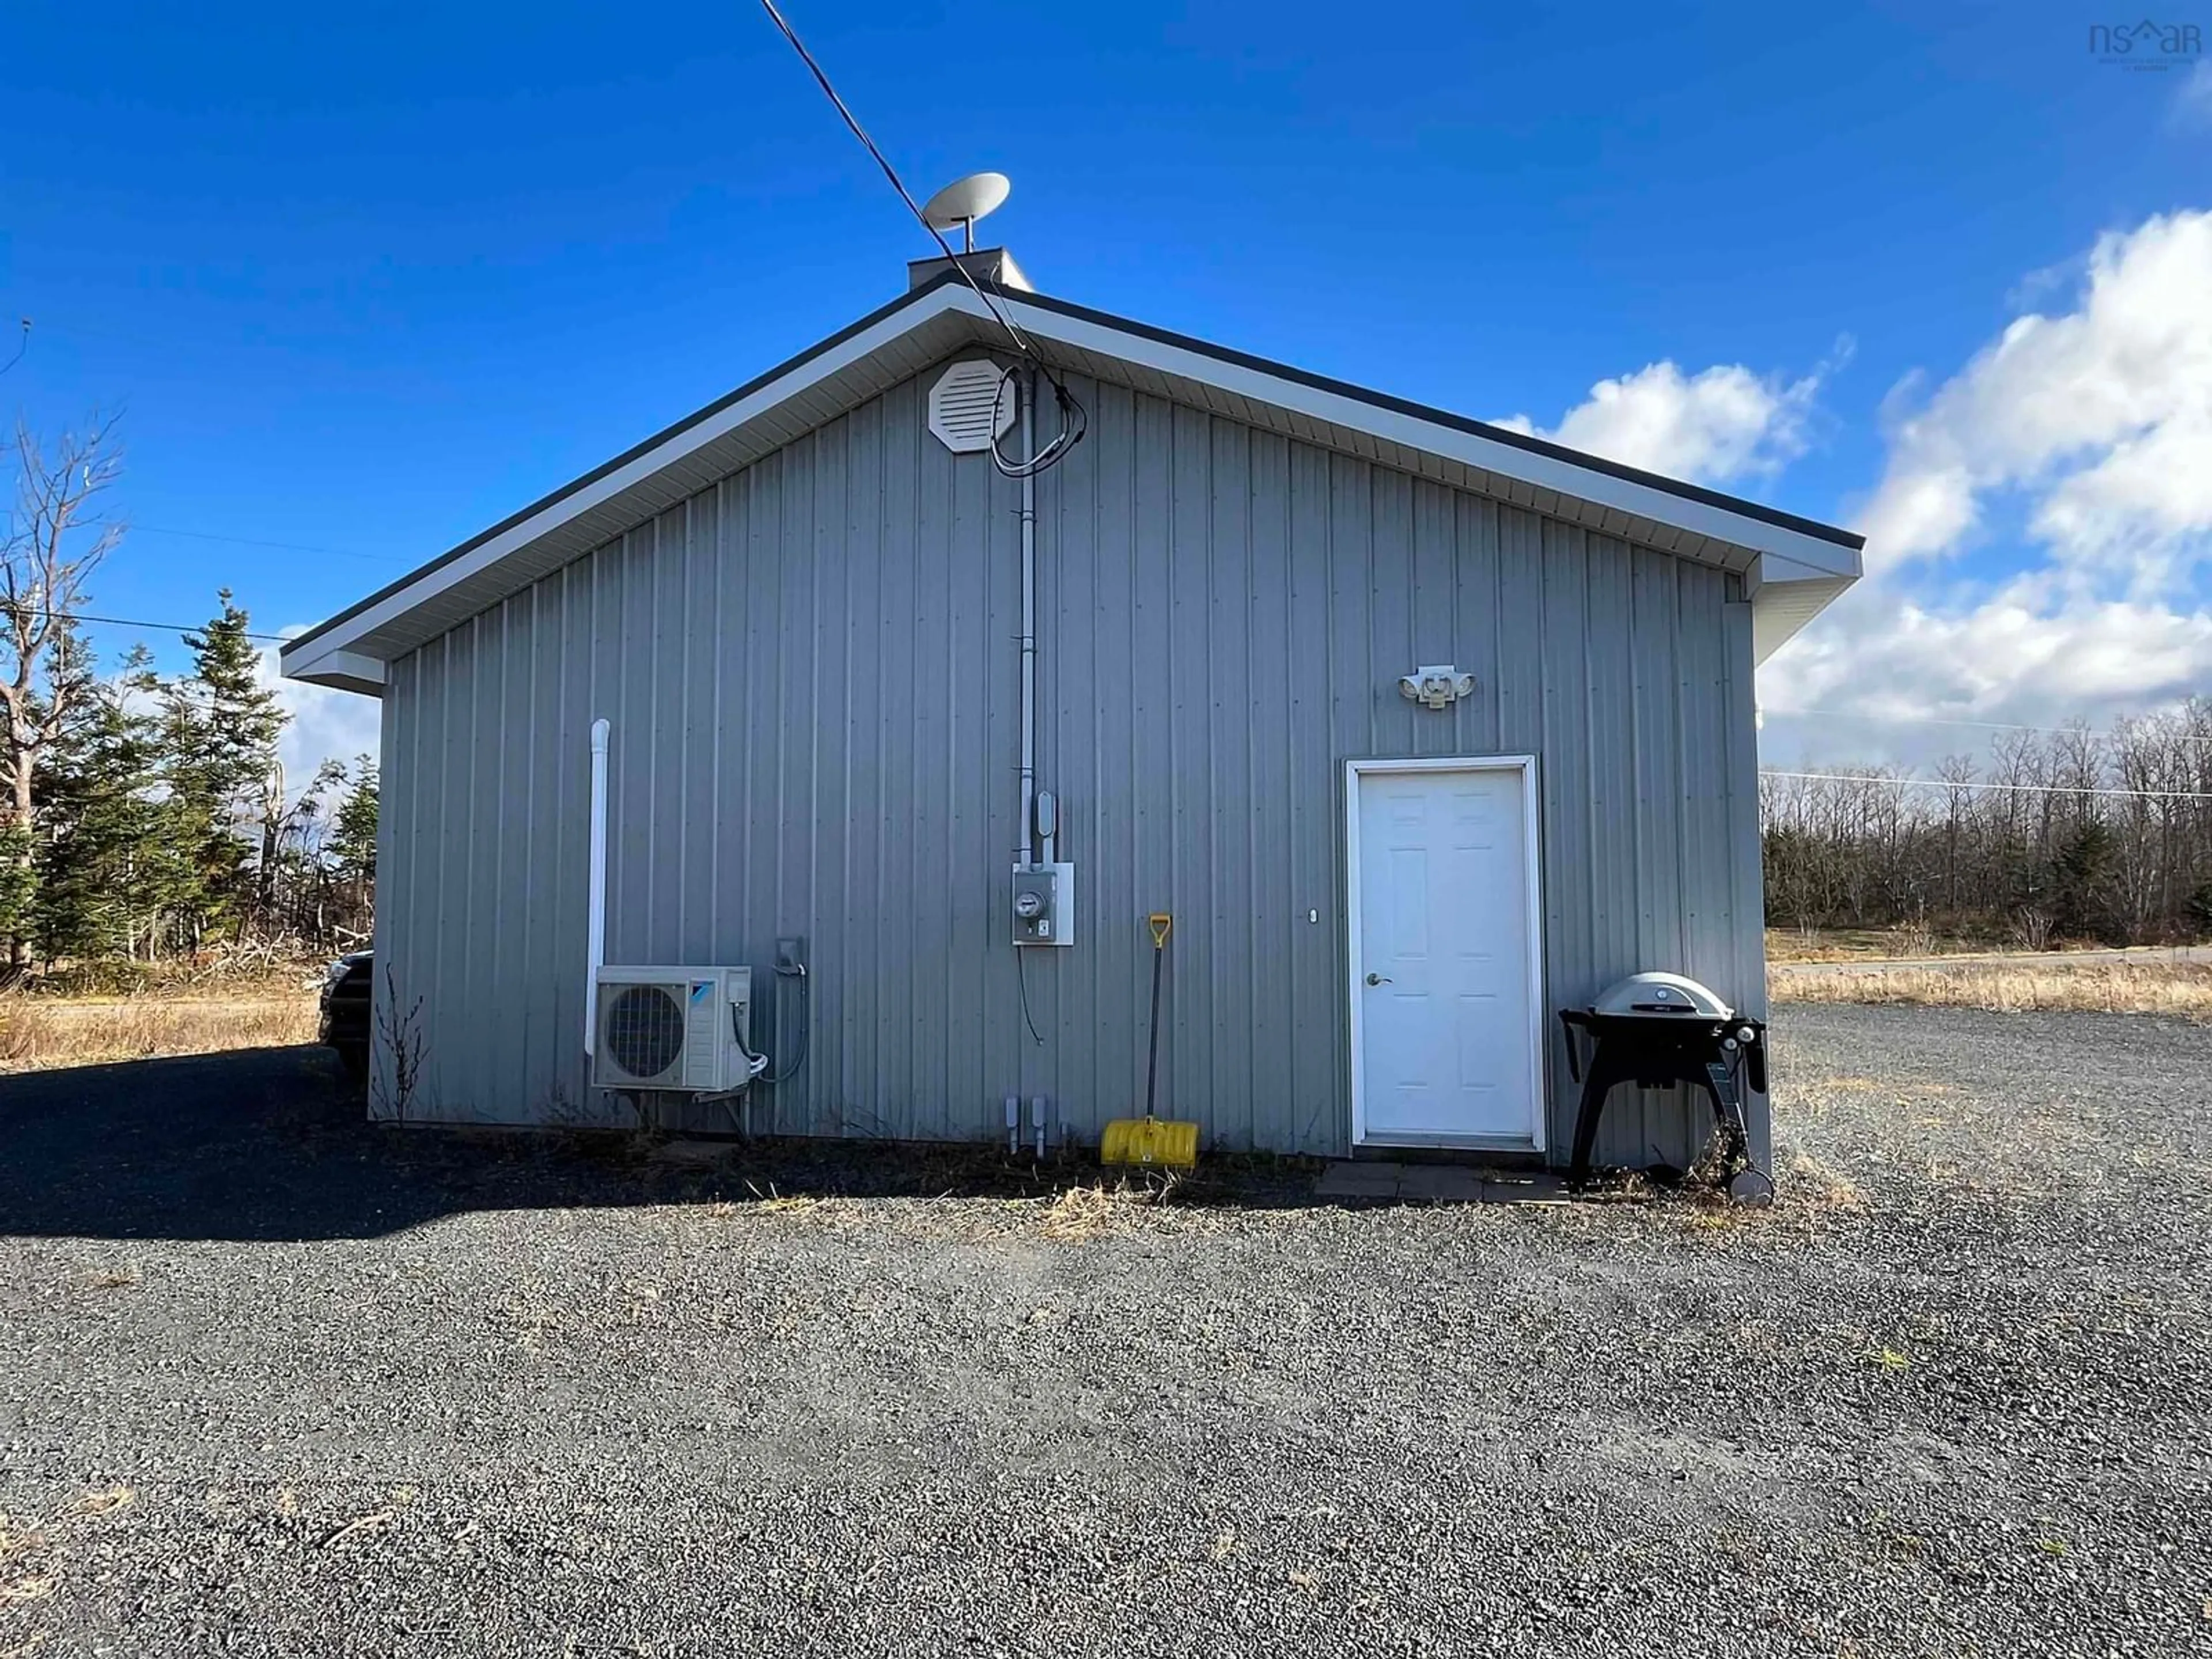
{"x":964,"y":201}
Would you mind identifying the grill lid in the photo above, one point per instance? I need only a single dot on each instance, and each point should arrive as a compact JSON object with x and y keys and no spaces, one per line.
{"x":1661,"y":996}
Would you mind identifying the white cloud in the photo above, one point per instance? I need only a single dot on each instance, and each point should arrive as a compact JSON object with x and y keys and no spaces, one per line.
{"x":2013,"y":656}
{"x":1721,"y":423}
{"x":2142,"y":511}
{"x":1899,"y":683}
{"x":1924,"y":511}
{"x":2087,"y":434}
{"x":326,"y":724}
{"x":2098,"y":417}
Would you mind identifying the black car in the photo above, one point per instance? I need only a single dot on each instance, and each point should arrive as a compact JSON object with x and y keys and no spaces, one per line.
{"x":344,"y":1025}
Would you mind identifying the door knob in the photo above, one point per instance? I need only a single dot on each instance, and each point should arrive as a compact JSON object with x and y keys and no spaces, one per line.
{"x":1378,"y":979}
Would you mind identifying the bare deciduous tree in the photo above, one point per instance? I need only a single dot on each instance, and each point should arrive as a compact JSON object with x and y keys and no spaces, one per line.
{"x":56,"y":540}
{"x":2067,"y":833}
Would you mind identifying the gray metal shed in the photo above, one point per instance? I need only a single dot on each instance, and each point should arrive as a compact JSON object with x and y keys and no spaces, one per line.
{"x":799,"y":612}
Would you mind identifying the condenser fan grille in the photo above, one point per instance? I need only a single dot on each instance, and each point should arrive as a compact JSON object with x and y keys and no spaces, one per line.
{"x":644,"y":1029}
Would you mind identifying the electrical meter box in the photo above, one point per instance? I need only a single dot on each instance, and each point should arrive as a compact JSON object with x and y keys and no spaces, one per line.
{"x":1044,"y":905}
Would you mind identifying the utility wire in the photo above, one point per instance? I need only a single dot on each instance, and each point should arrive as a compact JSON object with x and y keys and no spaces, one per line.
{"x":133,"y":621}
{"x":1934,"y":720}
{"x":1074,"y":420}
{"x":822,"y":80}
{"x":1022,"y":981}
{"x":24,"y":346}
{"x":2021,"y":789}
{"x":252,"y":541}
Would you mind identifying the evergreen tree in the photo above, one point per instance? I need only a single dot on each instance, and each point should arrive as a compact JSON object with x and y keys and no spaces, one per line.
{"x":221,"y":726}
{"x":296,"y":861}
{"x":2085,"y":883}
{"x":18,"y":882}
{"x":106,"y":870}
{"x":353,"y":835}
{"x":54,"y":706}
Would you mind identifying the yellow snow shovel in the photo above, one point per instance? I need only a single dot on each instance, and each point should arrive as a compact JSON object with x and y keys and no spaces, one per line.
{"x":1148,"y":1141}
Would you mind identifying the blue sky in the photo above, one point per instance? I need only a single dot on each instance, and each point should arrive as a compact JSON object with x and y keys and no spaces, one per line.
{"x":366,"y":281}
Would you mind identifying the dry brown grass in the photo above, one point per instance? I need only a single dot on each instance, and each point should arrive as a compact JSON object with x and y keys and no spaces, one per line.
{"x":1810,"y":1183}
{"x":1866,"y":944}
{"x":28,"y":1548}
{"x":38,"y":1032}
{"x":1079,"y":1213}
{"x":1082,"y":1214}
{"x":2171,"y":987}
{"x":26,"y":1561}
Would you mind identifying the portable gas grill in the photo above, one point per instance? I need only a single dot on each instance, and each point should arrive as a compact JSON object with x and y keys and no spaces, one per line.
{"x":1658,"y":1029}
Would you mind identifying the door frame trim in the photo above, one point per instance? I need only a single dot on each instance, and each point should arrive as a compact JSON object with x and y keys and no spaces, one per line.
{"x":1533,"y":876}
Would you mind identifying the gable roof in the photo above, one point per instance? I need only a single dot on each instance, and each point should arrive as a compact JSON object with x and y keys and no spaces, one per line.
{"x":1792,"y":566}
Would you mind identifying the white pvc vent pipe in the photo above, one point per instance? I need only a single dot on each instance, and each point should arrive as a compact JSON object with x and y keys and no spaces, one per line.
{"x":595,"y":925}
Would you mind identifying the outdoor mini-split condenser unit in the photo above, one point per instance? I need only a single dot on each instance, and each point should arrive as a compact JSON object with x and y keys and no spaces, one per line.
{"x":686,"y":1028}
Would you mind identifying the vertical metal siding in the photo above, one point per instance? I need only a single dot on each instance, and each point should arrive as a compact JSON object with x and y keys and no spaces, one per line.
{"x":811,"y":671}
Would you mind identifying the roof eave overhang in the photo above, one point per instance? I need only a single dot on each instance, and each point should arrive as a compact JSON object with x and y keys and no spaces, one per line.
{"x":1786,"y":563}
{"x":1785,"y":595}
{"x":347,"y":671}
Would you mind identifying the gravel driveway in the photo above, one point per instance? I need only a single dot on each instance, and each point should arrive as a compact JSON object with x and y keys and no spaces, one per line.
{"x":273,"y":1382}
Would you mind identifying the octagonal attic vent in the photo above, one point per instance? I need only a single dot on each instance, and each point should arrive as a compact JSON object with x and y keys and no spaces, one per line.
{"x":962,"y":403}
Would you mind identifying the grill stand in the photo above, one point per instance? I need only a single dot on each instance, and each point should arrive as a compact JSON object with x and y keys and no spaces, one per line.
{"x":1630,"y":1050}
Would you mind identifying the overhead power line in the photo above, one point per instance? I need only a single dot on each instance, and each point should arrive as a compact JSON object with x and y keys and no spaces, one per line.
{"x":1938,"y":719}
{"x":822,"y":80}
{"x":68,"y":328}
{"x":135,"y":621}
{"x":255,"y":541}
{"x":2021,"y":789}
{"x":1074,"y":420}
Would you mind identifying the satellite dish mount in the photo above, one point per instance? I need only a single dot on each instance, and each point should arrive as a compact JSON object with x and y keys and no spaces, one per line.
{"x":963,"y":202}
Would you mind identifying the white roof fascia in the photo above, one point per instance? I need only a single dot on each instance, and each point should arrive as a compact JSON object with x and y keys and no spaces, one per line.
{"x":317,"y":658}
{"x":1787,"y":556}
{"x":350,"y":670}
{"x":1532,"y":466}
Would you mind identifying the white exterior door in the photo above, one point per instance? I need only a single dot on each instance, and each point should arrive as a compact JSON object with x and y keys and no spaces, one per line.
{"x":1446,"y":973}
